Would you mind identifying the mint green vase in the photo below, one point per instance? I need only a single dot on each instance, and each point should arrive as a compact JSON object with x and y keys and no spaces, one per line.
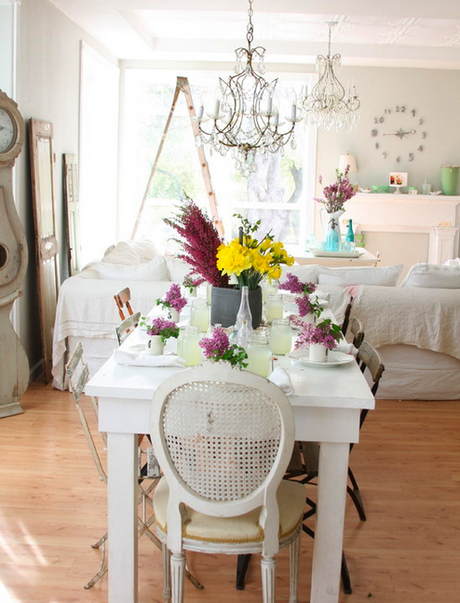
{"x":449,"y":179}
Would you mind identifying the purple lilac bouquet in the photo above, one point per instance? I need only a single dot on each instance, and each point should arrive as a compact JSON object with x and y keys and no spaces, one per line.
{"x":338,"y":193}
{"x":326,"y":332}
{"x":159,"y":326}
{"x":191,"y":281}
{"x":304,"y":290}
{"x":173,"y":299}
{"x":218,"y":347}
{"x":199,"y":241}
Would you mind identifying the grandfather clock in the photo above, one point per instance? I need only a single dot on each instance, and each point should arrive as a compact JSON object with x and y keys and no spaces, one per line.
{"x":14,"y":366}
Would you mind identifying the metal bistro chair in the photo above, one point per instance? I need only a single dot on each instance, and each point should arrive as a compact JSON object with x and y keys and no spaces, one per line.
{"x":123,"y":301}
{"x":346,"y":317}
{"x":305,"y":458}
{"x":78,"y":374}
{"x":223,"y":438}
{"x":127,"y":326}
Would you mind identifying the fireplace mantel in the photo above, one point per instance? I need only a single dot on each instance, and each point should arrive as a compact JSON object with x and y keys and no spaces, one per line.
{"x":437,"y":216}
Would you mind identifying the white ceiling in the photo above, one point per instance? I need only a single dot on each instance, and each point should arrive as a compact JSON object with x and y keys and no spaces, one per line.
{"x":420,"y":33}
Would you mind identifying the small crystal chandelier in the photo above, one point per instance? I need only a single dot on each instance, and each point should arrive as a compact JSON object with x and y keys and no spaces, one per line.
{"x":246,"y":116}
{"x":328,"y":106}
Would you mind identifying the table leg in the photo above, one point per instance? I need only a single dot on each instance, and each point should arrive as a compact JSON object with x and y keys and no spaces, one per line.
{"x":122,"y":517}
{"x":330,"y":515}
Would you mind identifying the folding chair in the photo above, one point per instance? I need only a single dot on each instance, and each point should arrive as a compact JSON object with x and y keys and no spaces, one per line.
{"x":125,"y":327}
{"x":78,"y":374}
{"x":357,"y":331}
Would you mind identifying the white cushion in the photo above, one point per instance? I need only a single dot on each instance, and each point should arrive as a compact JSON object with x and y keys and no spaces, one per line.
{"x":386,"y":276}
{"x":155,"y":270}
{"x":433,"y":276}
{"x":307,"y":273}
{"x":244,"y":528}
{"x":130,"y":253}
{"x":178,"y":269}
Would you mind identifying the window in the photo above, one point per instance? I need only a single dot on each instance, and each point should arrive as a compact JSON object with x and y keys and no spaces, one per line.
{"x":280,"y":193}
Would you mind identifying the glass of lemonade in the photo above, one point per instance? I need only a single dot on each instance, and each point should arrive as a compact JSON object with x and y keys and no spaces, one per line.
{"x":199,"y":315}
{"x":274,"y":308}
{"x":259,"y":355}
{"x":187,"y":345}
{"x":280,"y":336}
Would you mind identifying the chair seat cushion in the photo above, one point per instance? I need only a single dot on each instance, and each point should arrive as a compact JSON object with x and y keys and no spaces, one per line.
{"x":242,"y":529}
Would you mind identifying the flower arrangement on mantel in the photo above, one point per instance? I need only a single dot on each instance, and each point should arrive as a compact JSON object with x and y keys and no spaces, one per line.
{"x":336,"y":194}
{"x":247,"y":258}
{"x":305,"y":303}
{"x":218,"y":348}
{"x":159,"y":326}
{"x":326,"y":333}
{"x":173,"y":299}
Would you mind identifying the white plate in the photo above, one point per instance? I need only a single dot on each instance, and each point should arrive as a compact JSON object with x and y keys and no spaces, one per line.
{"x":337,"y":254}
{"x":333,"y":358}
{"x":139,"y":348}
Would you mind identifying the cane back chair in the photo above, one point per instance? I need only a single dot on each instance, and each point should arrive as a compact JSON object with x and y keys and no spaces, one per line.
{"x":223,"y":438}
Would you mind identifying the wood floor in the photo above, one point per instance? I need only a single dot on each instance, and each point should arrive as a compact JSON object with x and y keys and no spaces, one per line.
{"x":52,"y":507}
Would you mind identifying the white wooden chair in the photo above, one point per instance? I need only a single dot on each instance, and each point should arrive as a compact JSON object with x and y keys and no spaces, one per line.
{"x":127,"y":326}
{"x":223,"y":438}
{"x":78,"y":374}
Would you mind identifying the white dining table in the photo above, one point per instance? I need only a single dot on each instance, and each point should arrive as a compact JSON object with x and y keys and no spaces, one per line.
{"x":327,"y":402}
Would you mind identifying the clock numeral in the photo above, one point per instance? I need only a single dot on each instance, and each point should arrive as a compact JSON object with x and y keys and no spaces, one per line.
{"x":377,"y":146}
{"x":401,"y":109}
{"x":384,"y":155}
{"x":387,"y":111}
{"x":420,"y":121}
{"x":374,"y":132}
{"x":411,"y":157}
{"x":379,"y":120}
{"x":413,"y":112}
{"x":423,"y":134}
{"x":420,"y":148}
{"x":398,"y":159}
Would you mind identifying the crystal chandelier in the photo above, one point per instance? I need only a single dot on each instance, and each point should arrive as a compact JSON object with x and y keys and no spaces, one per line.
{"x":328,"y":105}
{"x":246,"y":116}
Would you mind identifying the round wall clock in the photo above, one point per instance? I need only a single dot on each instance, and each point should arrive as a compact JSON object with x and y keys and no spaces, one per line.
{"x":399,"y":134}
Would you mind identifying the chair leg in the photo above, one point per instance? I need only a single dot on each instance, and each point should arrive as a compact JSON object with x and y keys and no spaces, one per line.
{"x":166,"y":573}
{"x":103,"y":565}
{"x":345,"y":576}
{"x":177,"y":577}
{"x":294,"y":557}
{"x":268,"y":565}
{"x":355,"y":495}
{"x":241,"y":569}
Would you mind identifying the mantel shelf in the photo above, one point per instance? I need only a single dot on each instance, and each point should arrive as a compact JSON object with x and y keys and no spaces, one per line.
{"x":405,"y":198}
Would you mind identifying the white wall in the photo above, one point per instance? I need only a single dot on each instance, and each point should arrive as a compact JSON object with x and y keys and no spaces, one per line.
{"x":48,"y":82}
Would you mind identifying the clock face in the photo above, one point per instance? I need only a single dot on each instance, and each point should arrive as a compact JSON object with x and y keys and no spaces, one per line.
{"x":399,"y":134}
{"x":7,"y":131}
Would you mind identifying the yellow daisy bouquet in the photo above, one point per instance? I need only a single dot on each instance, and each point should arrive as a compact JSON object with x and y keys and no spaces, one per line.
{"x":249,"y":259}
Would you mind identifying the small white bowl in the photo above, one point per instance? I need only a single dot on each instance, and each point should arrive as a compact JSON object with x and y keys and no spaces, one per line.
{"x":435,"y":192}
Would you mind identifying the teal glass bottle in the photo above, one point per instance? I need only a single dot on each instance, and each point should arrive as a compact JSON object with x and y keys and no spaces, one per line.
{"x":332,"y":239}
{"x":350,"y":235}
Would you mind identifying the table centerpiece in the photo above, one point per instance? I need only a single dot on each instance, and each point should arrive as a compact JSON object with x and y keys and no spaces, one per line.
{"x":245,"y":259}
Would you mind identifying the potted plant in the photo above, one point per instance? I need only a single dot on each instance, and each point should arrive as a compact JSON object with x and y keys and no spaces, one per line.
{"x":173,"y":302}
{"x":319,"y":337}
{"x":218,"y":348}
{"x":306,"y":300}
{"x":334,"y":198}
{"x":158,"y":331}
{"x":247,"y":259}
{"x":191,"y":282}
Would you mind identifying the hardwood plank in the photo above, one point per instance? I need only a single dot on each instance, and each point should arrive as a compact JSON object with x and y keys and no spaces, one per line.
{"x":53,"y":506}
